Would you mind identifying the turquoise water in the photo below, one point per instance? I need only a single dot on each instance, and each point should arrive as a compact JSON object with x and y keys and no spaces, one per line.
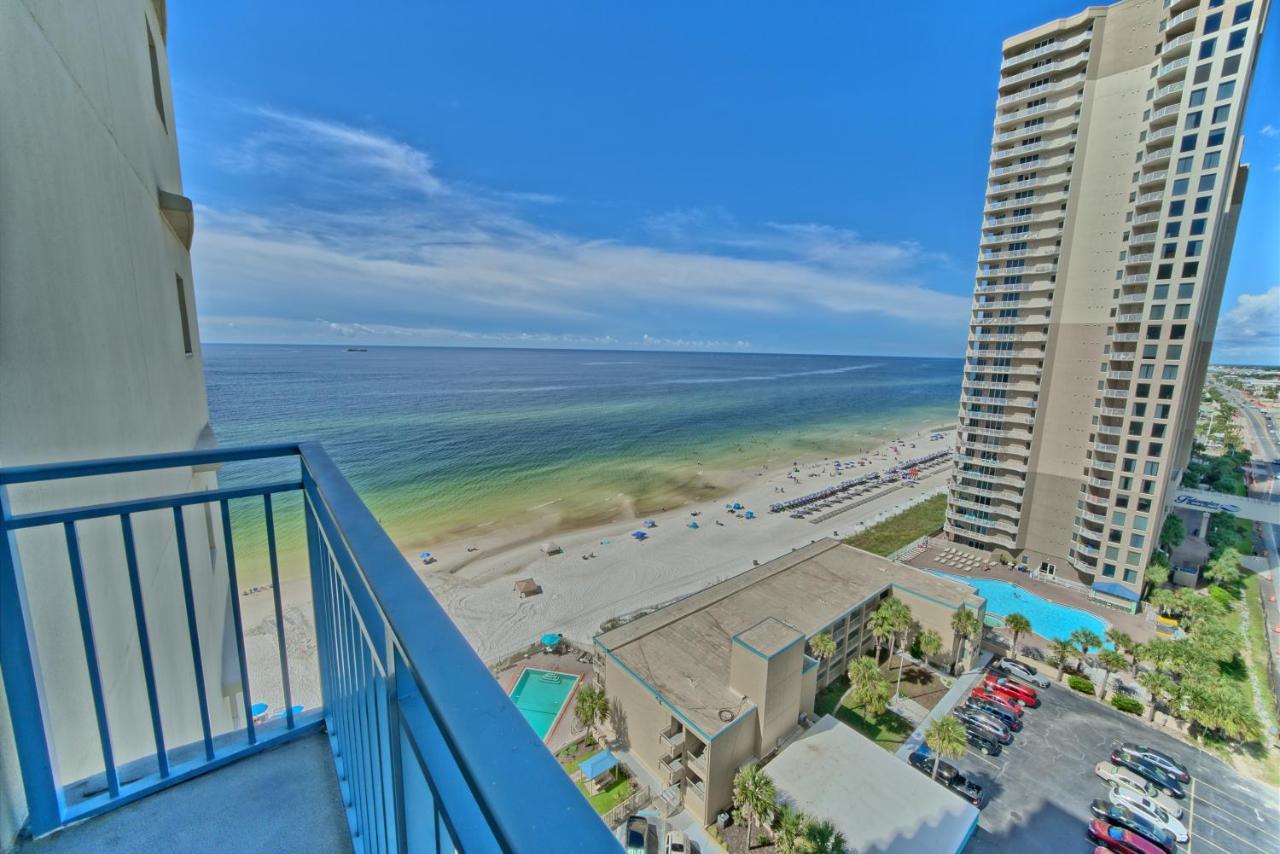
{"x":540,"y":695}
{"x":445,"y":444}
{"x":1048,"y":619}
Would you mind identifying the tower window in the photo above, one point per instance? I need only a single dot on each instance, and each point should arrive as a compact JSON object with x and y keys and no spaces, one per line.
{"x":156,"y":91}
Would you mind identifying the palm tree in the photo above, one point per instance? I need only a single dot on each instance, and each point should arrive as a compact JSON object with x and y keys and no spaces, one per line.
{"x":591,"y":707}
{"x":945,"y":736}
{"x":820,"y":837}
{"x":1225,"y":571}
{"x":881,"y":624}
{"x":1019,"y":625}
{"x":965,"y":625}
{"x":867,"y":687}
{"x":1086,"y":640}
{"x":1163,"y":600}
{"x":788,"y":826}
{"x":930,"y":643}
{"x":899,"y":621}
{"x":755,"y":797}
{"x":1110,"y":661}
{"x":1122,"y":641}
{"x":1060,"y":653}
{"x":1161,"y":688}
{"x":822,"y":646}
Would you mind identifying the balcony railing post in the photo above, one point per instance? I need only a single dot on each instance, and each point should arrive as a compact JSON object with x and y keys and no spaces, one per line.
{"x":22,"y":690}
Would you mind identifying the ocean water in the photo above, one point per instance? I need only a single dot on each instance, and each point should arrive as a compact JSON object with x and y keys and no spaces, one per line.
{"x":447,"y":442}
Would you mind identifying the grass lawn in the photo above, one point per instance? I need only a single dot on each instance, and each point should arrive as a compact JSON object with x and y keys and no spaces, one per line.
{"x":887,"y":730}
{"x":897,"y":531}
{"x":607,"y":799}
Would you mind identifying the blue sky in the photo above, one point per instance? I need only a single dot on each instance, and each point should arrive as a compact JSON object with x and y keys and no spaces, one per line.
{"x":727,"y":176}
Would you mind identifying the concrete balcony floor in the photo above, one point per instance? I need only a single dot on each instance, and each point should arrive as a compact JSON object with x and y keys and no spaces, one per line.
{"x":285,"y":799}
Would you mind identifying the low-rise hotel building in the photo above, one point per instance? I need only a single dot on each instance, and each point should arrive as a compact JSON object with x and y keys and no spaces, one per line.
{"x":724,"y":677}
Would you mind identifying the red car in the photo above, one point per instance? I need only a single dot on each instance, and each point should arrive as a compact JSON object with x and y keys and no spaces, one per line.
{"x":1001,"y":692}
{"x":1025,"y":693}
{"x":982,"y":692}
{"x":1120,"y":840}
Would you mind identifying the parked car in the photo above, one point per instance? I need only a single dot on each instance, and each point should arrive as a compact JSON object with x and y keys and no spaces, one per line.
{"x":1130,"y":820}
{"x":997,"y":730}
{"x":1156,"y":757}
{"x":1012,"y":686}
{"x":1139,"y":803}
{"x":982,"y":740}
{"x":1118,"y":775}
{"x":948,"y":775}
{"x":1154,"y":773}
{"x":1007,"y":717}
{"x":637,"y":830}
{"x":984,"y":692}
{"x":1025,"y":672}
{"x":677,"y":843}
{"x":1120,"y":840}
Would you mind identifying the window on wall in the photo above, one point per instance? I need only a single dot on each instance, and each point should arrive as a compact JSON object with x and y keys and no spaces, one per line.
{"x":1212,"y":23}
{"x":1192,"y":122}
{"x":1180,"y":186}
{"x":1174,"y":352}
{"x":1221,"y":113}
{"x":1225,"y":90}
{"x":1188,"y":142}
{"x":1109,"y":570}
{"x":1171,"y":229}
{"x":1231,"y":65}
{"x":1194,"y":248}
{"x":1130,"y":576}
{"x":1197,"y":97}
{"x":1162,"y":291}
{"x":156,"y":91}
{"x":1216,"y":137}
{"x":1242,"y":13}
{"x":1185,"y":164}
{"x":1236,"y":40}
{"x":1212,"y":159}
{"x":1201,"y":205}
{"x":1206,"y":182}
{"x":1197,"y":226}
{"x":1190,"y":268}
{"x":1202,"y":73}
{"x":1186,"y":289}
{"x":184,"y":316}
{"x":1206,"y":48}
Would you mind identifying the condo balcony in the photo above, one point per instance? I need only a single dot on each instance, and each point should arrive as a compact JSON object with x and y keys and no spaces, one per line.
{"x":1177,"y":66}
{"x":698,"y":765}
{"x":1107,"y":429}
{"x":1065,"y":83}
{"x":1097,"y":500}
{"x":1179,"y":46}
{"x":1139,"y":260}
{"x":1083,"y":533}
{"x":1100,"y":483}
{"x":1153,"y":198}
{"x":1181,"y":23}
{"x":1142,"y":239}
{"x":1100,"y":464}
{"x":673,"y":740}
{"x":672,"y":768}
{"x":1125,"y":336}
{"x":1144,"y":219}
{"x":396,"y":737}
{"x":987,"y":523}
{"x":1106,"y":447}
{"x":1057,"y":46}
{"x":1127,"y":318}
{"x":1112,"y":412}
{"x":1173,"y":90}
{"x":1163,"y":113}
{"x":1147,"y":179}
{"x":1159,"y":156}
{"x":1096,"y":518}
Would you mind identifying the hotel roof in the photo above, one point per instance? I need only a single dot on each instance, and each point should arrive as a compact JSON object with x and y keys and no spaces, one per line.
{"x":682,"y":652}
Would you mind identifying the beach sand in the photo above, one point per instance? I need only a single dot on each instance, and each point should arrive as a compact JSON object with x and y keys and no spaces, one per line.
{"x":477,"y":587}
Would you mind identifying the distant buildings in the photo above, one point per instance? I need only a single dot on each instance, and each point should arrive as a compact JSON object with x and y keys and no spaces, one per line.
{"x":100,"y":357}
{"x":1111,"y":208}
{"x":721,"y":678}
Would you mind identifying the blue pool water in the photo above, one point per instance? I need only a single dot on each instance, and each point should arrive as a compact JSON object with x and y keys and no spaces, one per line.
{"x":540,"y":695}
{"x":1048,"y":619}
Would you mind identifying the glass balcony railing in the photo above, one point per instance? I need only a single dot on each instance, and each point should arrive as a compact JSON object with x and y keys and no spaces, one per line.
{"x":429,"y":752}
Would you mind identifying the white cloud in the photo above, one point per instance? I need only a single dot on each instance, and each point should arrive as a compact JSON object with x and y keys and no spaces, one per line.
{"x":1270,"y":130}
{"x":374,"y":237}
{"x":1250,"y":330}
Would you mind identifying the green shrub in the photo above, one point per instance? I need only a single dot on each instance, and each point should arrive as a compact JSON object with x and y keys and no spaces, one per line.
{"x":1081,"y":684}
{"x":1126,"y":704}
{"x":1221,"y":595}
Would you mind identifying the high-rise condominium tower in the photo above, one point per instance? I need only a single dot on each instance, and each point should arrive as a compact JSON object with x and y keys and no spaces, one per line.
{"x":1111,"y":207}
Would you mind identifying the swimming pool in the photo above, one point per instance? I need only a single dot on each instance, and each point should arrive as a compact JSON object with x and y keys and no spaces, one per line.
{"x":1048,"y":619}
{"x":541,"y":695}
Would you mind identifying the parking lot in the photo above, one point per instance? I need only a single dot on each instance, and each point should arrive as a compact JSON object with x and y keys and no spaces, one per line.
{"x":1039,"y":788}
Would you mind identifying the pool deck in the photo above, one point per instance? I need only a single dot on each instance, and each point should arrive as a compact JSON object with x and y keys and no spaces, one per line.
{"x":566,"y":728}
{"x":1139,"y":626}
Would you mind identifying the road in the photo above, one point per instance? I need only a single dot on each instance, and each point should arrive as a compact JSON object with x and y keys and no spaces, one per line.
{"x":1265,"y":448}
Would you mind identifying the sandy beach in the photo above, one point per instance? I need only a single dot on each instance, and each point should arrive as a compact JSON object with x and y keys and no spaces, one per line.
{"x":477,"y":587}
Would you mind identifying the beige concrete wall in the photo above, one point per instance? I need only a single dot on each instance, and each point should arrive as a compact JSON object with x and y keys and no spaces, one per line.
{"x":93,"y":362}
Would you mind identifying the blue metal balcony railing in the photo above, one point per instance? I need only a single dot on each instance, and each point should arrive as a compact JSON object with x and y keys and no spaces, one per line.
{"x":429,"y":752}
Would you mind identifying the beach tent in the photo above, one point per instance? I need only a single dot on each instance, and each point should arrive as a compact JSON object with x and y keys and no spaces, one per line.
{"x":737,"y":506}
{"x":527,"y":587}
{"x":649,"y":523}
{"x":550,"y":548}
{"x":751,"y":514}
{"x":639,"y":535}
{"x":693,"y":525}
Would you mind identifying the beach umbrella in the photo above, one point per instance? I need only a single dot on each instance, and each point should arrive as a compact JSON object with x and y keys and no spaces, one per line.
{"x":693,"y":525}
{"x":424,"y":555}
{"x":550,"y":639}
{"x":737,"y":506}
{"x":751,"y":515}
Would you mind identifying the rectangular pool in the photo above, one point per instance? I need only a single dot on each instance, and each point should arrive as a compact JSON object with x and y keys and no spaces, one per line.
{"x":541,"y":696}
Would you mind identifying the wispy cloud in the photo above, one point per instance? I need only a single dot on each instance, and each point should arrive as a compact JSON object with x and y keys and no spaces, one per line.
{"x":1250,"y":330}
{"x":1270,"y":130}
{"x":375,"y":238}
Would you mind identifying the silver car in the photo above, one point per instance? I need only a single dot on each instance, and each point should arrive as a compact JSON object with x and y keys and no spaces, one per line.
{"x":1025,"y":672}
{"x":1140,"y":804}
